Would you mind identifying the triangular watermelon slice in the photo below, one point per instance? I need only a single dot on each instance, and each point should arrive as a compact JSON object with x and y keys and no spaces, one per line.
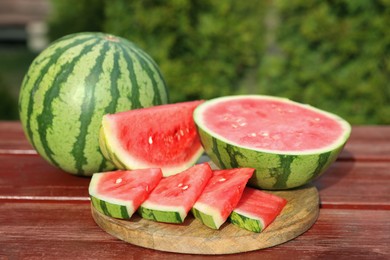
{"x":174,"y":196}
{"x":256,"y":210}
{"x":118,"y":194}
{"x":221,"y":196}
{"x":156,"y":137}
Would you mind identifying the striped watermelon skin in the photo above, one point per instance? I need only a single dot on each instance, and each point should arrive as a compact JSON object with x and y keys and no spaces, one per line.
{"x":72,"y":84}
{"x":273,"y":171}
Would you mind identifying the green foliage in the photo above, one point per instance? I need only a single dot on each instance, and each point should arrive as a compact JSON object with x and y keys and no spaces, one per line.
{"x":72,"y":16}
{"x":204,"y":48}
{"x":332,"y":54}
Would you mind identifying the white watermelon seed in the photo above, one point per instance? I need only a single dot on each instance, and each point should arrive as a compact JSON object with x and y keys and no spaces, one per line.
{"x":185,"y":187}
{"x":119,"y":180}
{"x":222,"y":179}
{"x":180,"y":184}
{"x":150,"y":140}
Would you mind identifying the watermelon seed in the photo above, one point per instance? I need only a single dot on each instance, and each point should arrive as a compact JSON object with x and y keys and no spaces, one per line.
{"x":182,"y":132}
{"x":150,"y":140}
{"x":265,"y":134}
{"x":185,"y":187}
{"x":180,"y":184}
{"x":253,"y":134}
{"x":317,"y":119}
{"x":119,"y":180}
{"x":234,"y":126}
{"x":222,"y":179}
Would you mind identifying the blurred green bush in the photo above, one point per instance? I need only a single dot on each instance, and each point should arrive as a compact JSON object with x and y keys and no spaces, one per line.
{"x":332,"y":54}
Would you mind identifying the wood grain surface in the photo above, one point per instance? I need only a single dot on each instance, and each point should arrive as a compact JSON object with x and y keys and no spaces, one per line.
{"x":299,"y":214}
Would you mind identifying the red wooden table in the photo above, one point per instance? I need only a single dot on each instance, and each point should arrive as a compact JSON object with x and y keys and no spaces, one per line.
{"x":45,"y":213}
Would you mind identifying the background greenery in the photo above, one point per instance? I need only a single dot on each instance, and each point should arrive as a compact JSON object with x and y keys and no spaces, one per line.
{"x":332,"y":54}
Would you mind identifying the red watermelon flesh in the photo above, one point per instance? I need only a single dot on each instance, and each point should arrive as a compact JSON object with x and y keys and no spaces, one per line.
{"x":161,"y":136}
{"x":221,"y":196}
{"x":257,"y":209}
{"x":272,"y":124}
{"x":120,"y":193}
{"x":175,"y":195}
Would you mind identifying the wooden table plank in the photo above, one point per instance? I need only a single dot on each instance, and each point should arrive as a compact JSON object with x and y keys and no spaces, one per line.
{"x":368,"y":143}
{"x":29,"y":177}
{"x":349,"y":184}
{"x":67,"y":231}
{"x":13,"y":140}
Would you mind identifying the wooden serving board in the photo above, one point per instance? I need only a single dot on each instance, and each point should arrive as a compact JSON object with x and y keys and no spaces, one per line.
{"x":192,"y":237}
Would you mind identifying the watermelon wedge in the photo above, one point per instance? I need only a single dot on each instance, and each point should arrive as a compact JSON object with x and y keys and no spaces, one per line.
{"x":256,"y":210}
{"x":118,"y":194}
{"x":157,"y":137}
{"x":220,"y":196}
{"x":174,"y":196}
{"x":288,"y":143}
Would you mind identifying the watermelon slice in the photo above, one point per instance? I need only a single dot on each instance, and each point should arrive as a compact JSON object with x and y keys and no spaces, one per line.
{"x":174,"y":196}
{"x":157,"y":137}
{"x":221,"y":196}
{"x":256,"y":210}
{"x":289,"y":144}
{"x":118,"y":194}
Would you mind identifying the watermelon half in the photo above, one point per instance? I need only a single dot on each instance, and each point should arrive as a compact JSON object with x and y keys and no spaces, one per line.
{"x":157,"y":137}
{"x":256,"y":210}
{"x":175,"y":195}
{"x":118,"y":194}
{"x":288,"y":143}
{"x":220,"y":196}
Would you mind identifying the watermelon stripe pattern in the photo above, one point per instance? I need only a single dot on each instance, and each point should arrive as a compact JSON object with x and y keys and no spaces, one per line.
{"x":111,"y":210}
{"x":245,"y":222}
{"x":72,"y":84}
{"x":160,"y":215}
{"x":273,"y":171}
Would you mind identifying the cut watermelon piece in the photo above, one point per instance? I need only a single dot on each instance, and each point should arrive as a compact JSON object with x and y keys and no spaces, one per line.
{"x":221,"y":196}
{"x":174,"y":196}
{"x":157,"y":137}
{"x":289,"y":144}
{"x":256,"y":210}
{"x":118,"y":194}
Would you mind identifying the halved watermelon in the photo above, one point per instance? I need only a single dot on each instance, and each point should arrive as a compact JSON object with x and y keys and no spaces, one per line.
{"x":220,"y":196}
{"x":289,"y":144}
{"x":174,"y":196}
{"x":118,"y":194}
{"x":157,"y":137}
{"x":256,"y":210}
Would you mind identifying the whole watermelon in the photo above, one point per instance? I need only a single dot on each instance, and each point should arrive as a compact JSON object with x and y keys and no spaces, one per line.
{"x":72,"y":84}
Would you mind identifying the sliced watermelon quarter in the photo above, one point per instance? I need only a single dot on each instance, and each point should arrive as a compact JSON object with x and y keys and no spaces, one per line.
{"x":256,"y":210}
{"x":288,"y":143}
{"x":175,"y":195}
{"x":118,"y":194}
{"x":157,"y":137}
{"x":221,"y":196}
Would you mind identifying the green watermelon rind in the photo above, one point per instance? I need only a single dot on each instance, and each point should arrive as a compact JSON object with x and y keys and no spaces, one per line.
{"x":207,"y":215}
{"x":123,"y":160}
{"x":246,"y":221}
{"x":160,"y":213}
{"x":275,"y":170}
{"x":113,"y":210}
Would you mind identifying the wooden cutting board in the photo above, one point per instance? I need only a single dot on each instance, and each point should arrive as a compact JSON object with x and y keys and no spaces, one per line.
{"x":192,"y":237}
